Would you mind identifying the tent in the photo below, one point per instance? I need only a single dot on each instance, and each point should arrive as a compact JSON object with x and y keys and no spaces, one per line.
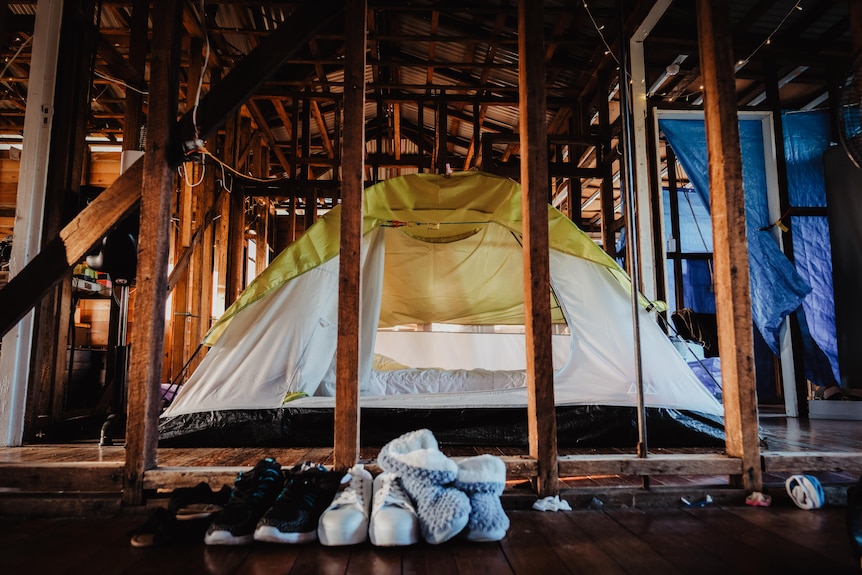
{"x":444,"y":252}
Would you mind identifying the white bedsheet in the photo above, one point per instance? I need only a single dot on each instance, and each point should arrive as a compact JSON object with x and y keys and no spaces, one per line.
{"x":414,"y":381}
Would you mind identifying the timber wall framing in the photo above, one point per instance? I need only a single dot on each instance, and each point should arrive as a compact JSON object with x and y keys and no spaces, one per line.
{"x":210,"y":226}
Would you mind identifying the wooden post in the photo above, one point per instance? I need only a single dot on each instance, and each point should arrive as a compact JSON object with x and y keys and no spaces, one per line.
{"x":791,"y":351}
{"x":346,"y":448}
{"x":138,"y":61}
{"x":65,"y":164}
{"x":420,"y":134}
{"x":207,"y":260}
{"x":261,"y":165}
{"x":604,"y":159}
{"x":733,"y":301}
{"x":305,"y":169}
{"x":676,"y":231}
{"x":178,"y":324}
{"x":30,"y":204}
{"x":381,"y":128}
{"x":294,"y":138}
{"x":236,"y":209}
{"x":442,"y":135}
{"x":46,"y":269}
{"x":152,"y":277}
{"x":541,"y":414}
{"x":200,"y":289}
{"x":856,"y":24}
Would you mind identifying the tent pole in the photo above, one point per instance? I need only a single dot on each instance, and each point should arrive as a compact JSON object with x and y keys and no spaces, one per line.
{"x":628,"y":195}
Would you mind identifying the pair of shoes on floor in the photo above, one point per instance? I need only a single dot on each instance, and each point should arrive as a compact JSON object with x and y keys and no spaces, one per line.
{"x":184,"y":520}
{"x":293,"y":518}
{"x":451,"y":498}
{"x":366,"y":508}
{"x":269,"y":504}
{"x":252,"y":495}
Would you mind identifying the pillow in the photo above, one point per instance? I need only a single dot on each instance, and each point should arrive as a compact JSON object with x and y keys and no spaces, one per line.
{"x":385,"y":363}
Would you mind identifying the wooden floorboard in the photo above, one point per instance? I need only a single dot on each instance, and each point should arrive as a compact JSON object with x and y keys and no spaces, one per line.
{"x":629,"y":552}
{"x":672,"y":541}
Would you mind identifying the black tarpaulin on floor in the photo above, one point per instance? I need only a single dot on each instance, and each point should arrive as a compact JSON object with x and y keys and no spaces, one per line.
{"x":577,"y":426}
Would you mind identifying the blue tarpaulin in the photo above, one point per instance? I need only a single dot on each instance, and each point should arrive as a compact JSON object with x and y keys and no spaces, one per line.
{"x":777,"y":289}
{"x":806,"y":137}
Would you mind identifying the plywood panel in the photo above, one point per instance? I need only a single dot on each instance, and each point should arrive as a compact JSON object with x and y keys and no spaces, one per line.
{"x":103,"y":169}
{"x":9,"y":171}
{"x":8,"y":194}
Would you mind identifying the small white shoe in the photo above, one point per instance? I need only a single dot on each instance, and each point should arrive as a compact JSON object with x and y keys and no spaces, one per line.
{"x":393,"y":517}
{"x":345,"y":521}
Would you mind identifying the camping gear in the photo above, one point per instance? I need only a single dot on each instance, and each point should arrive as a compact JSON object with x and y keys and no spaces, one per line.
{"x":441,"y":251}
{"x":345,"y":521}
{"x":393,"y":516}
{"x":483,"y":479}
{"x":252,"y":494}
{"x":427,"y":476}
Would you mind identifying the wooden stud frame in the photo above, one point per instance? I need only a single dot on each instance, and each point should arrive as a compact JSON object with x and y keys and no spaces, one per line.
{"x":727,"y":205}
{"x":346,"y":448}
{"x":541,"y":411}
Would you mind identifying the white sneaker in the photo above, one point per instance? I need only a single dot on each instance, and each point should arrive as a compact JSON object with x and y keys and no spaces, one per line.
{"x":393,"y":516}
{"x":345,"y":521}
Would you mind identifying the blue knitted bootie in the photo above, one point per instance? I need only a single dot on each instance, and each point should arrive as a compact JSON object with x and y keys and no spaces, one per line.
{"x":483,"y":478}
{"x":427,"y":475}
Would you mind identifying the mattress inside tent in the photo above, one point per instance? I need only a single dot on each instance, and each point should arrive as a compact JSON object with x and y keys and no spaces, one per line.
{"x":465,"y":390}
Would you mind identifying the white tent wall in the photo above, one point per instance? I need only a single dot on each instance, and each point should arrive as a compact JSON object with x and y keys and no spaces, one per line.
{"x":286,"y":343}
{"x":601,"y":368}
{"x":464,"y":350}
{"x":268,"y":352}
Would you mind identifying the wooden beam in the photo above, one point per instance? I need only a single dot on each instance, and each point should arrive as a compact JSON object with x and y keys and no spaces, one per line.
{"x":727,"y":204}
{"x":282,"y":115}
{"x":236,"y":210}
{"x":321,"y":125}
{"x":808,"y":461}
{"x":294,"y":138}
{"x":442,"y":138}
{"x":185,"y":203}
{"x":119,"y":67}
{"x":75,"y":239}
{"x":396,"y":112}
{"x":541,"y":414}
{"x":604,"y":162}
{"x":856,"y":24}
{"x":207,"y":243}
{"x":145,"y":367}
{"x":346,"y":432}
{"x":257,"y":67}
{"x":45,"y":270}
{"x":65,"y":476}
{"x":258,"y":117}
{"x":250,"y":138}
{"x":655,"y":464}
{"x":182,"y":261}
{"x":133,"y":111}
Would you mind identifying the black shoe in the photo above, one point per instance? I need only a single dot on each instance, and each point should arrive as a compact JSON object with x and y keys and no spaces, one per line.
{"x":186,"y":518}
{"x":295,"y":515}
{"x":253,"y":493}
